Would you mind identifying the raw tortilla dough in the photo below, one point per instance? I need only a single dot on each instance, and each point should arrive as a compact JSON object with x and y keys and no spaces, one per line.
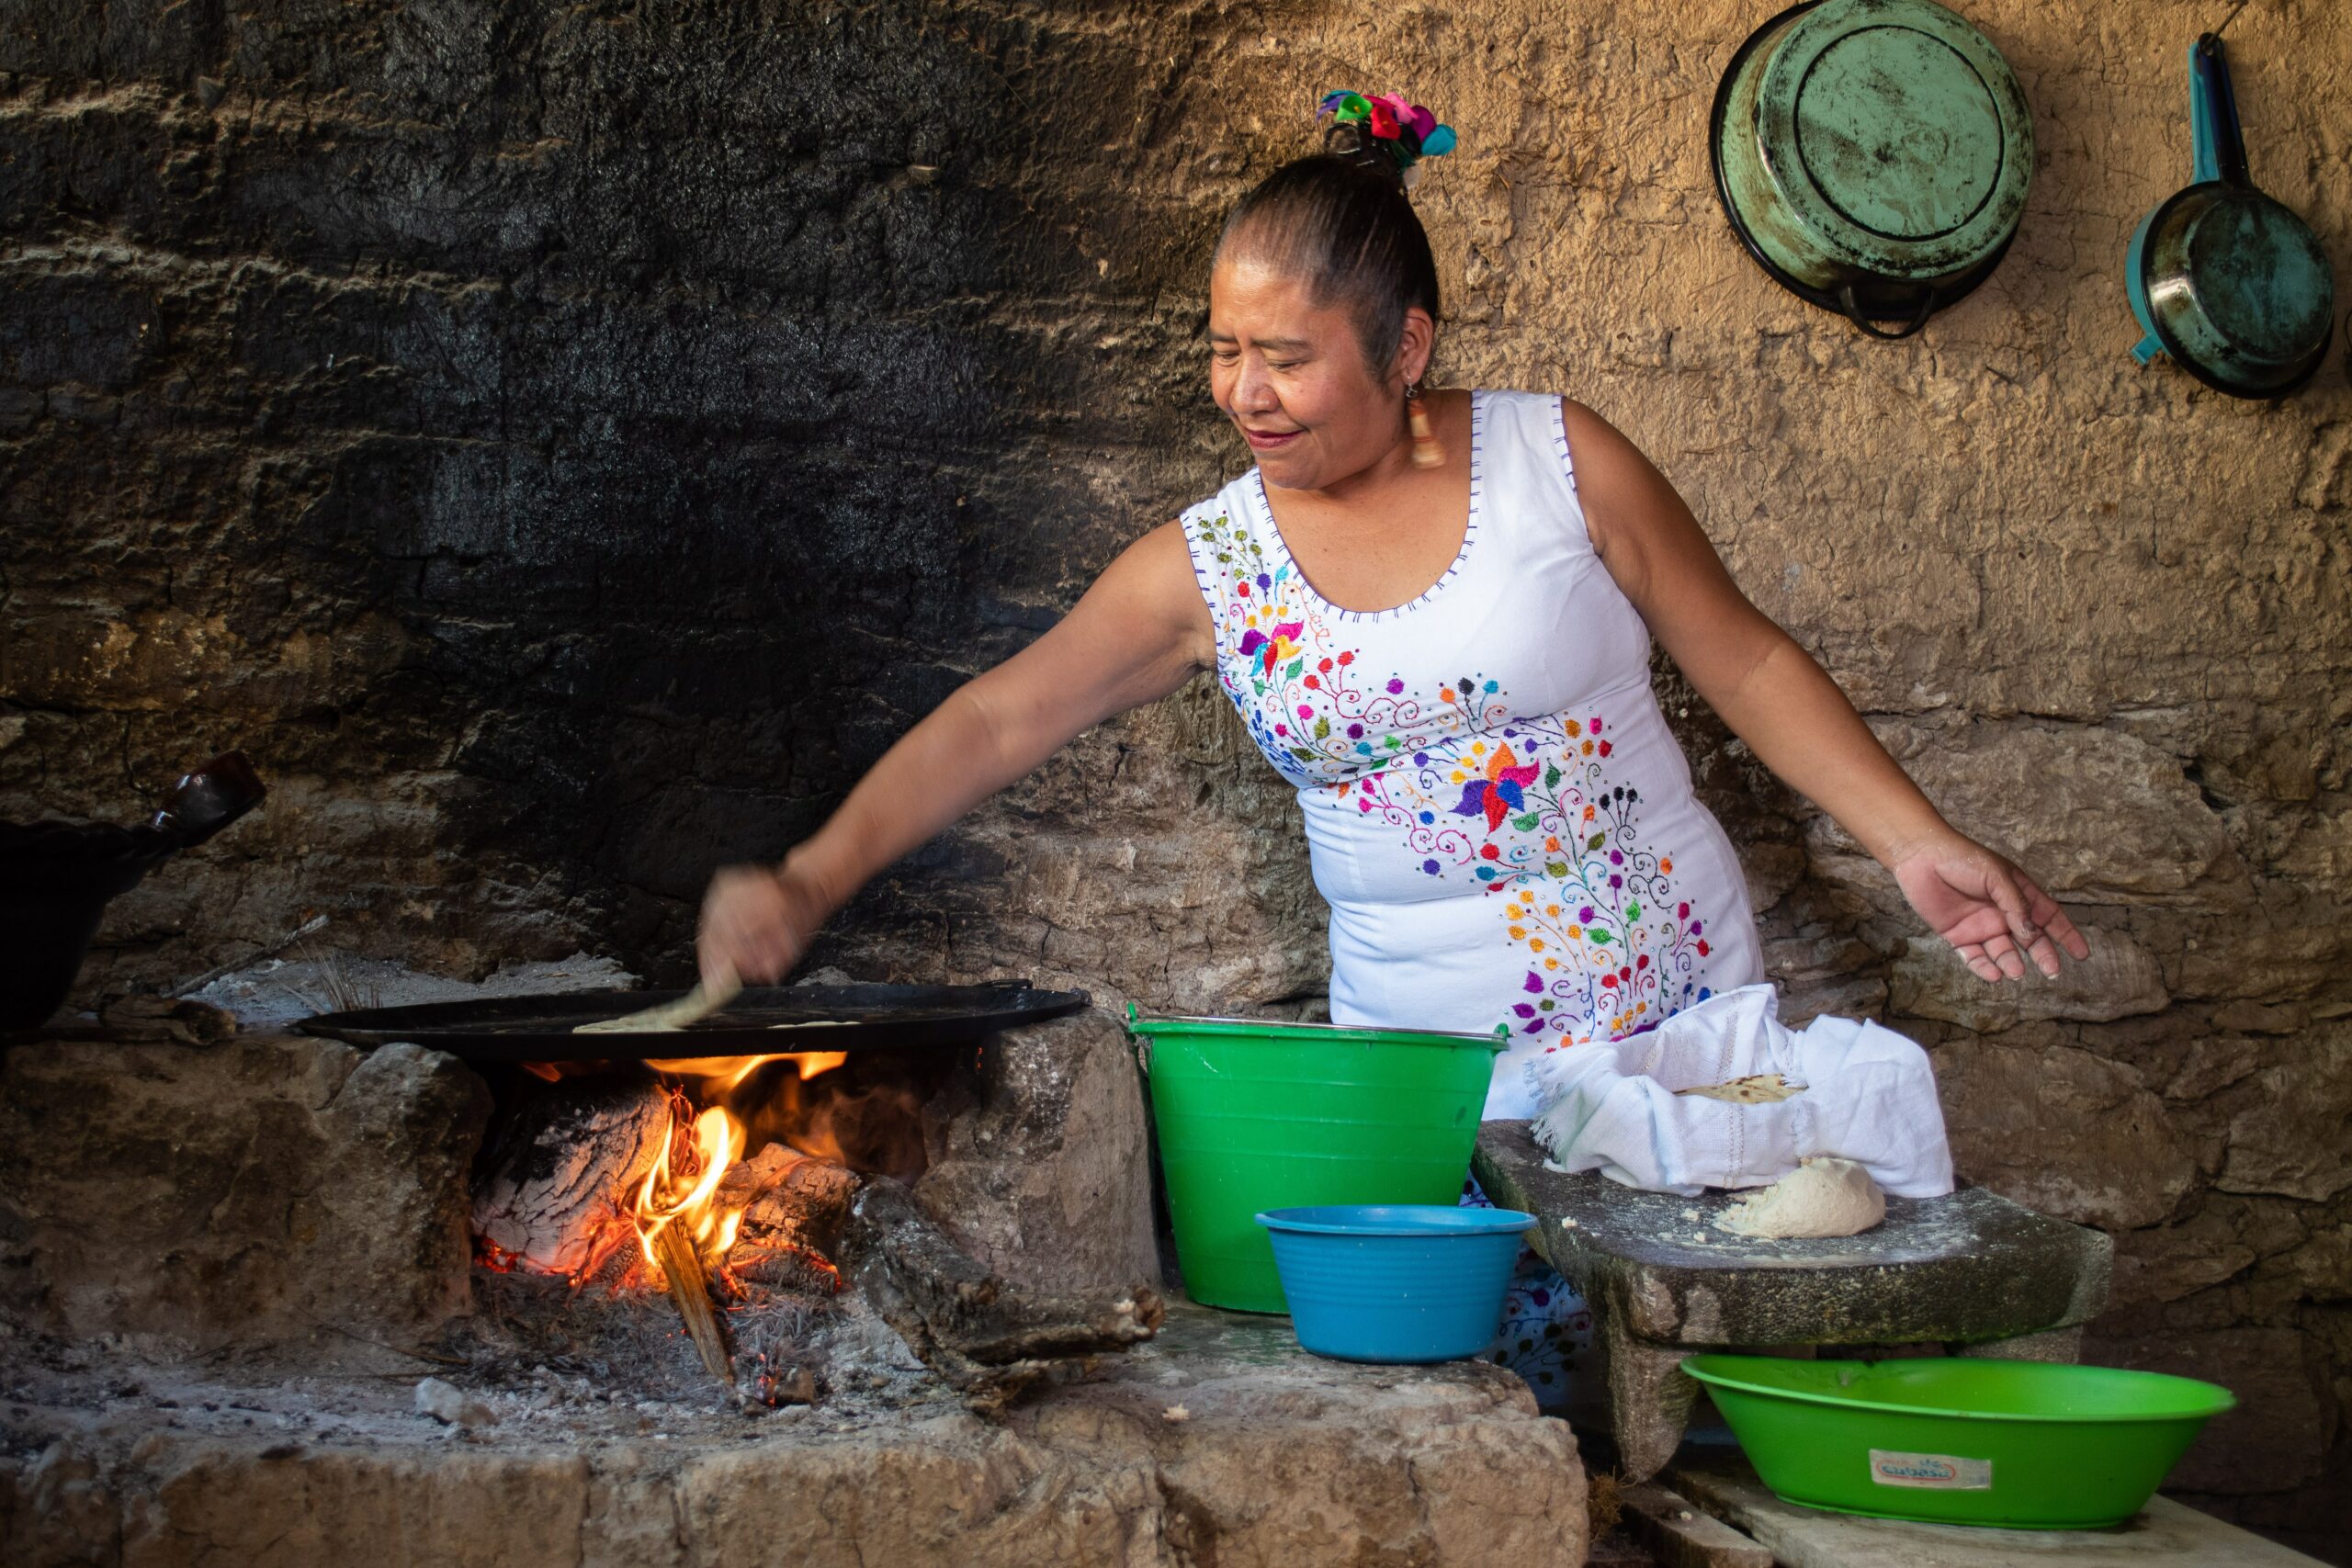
{"x":1759,"y":1089}
{"x":1821,"y":1197}
{"x":665,"y":1018}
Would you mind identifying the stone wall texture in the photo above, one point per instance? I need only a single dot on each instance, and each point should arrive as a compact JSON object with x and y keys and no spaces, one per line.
{"x":564,"y":444}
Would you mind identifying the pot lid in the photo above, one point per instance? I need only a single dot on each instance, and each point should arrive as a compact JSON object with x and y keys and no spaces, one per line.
{"x":1896,"y":134}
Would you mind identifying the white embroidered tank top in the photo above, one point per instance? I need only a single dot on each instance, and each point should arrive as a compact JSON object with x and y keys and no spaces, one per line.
{"x":1499,"y":817}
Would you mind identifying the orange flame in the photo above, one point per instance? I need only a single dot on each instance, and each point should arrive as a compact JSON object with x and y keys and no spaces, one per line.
{"x":726,"y":1073}
{"x":682,"y":1187}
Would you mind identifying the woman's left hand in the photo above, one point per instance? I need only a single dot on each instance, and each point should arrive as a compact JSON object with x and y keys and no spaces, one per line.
{"x":1986,"y":908}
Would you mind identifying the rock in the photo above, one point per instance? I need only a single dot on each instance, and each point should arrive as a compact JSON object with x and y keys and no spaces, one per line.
{"x":2212,"y":1064}
{"x":2289,"y":947}
{"x":2274,"y":1440}
{"x":1821,"y":973}
{"x":1681,"y":1536}
{"x":2119,"y":979}
{"x":1047,"y":1178}
{"x":263,"y":1194}
{"x":2092,"y":815}
{"x":452,"y":1407}
{"x":1283,"y":1459}
{"x":2322,"y":1269}
{"x":2296,"y":1138}
{"x":2061,"y":1130}
{"x":56,"y":1510}
{"x":2221,"y":1238}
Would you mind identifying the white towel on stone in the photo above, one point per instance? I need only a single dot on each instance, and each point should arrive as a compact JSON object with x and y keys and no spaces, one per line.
{"x":1870,"y":1097}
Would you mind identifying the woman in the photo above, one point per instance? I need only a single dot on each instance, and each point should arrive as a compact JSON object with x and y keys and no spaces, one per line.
{"x":1433,"y":610}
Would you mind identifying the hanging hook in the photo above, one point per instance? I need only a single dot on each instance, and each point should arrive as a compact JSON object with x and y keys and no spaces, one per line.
{"x":2233,"y":17}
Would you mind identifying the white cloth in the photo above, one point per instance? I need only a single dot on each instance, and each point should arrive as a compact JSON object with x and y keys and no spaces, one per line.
{"x":1868,"y":1096}
{"x":1499,"y":819}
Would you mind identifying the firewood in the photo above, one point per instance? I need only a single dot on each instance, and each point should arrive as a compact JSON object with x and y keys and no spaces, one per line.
{"x":992,"y":1340}
{"x":562,"y":1174}
{"x":689,"y":1282}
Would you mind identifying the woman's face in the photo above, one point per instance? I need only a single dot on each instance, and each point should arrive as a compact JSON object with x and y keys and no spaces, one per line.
{"x":1290,"y":375}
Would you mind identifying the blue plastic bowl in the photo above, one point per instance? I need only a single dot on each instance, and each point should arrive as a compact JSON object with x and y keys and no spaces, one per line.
{"x":1396,"y":1283}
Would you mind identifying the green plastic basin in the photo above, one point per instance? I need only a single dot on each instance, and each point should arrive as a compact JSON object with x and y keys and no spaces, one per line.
{"x":1253,"y":1115}
{"x":2025,"y":1444}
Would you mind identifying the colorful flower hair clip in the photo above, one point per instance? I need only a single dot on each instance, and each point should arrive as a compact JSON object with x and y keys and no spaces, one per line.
{"x":1406,"y":131}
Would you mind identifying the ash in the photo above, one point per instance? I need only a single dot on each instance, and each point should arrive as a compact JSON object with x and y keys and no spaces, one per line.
{"x":278,"y":993}
{"x":540,"y":1359}
{"x":796,"y":1337}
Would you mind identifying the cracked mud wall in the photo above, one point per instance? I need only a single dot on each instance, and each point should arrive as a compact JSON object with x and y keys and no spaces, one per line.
{"x":563,"y":444}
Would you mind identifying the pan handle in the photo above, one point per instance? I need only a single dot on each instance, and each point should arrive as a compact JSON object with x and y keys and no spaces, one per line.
{"x":1853,"y":312}
{"x":2213,"y":126}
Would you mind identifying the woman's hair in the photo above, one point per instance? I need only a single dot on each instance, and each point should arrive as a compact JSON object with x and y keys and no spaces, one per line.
{"x":1340,"y":221}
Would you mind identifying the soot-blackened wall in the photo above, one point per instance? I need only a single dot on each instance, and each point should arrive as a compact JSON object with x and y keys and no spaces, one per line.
{"x":564,"y":444}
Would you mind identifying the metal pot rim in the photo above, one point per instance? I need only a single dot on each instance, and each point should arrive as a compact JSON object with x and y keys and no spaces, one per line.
{"x":1948,"y":293}
{"x":2152,"y":228}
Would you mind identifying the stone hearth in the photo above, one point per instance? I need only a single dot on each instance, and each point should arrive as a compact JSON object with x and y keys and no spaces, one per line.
{"x":1219,"y":1443}
{"x":229,"y":1268}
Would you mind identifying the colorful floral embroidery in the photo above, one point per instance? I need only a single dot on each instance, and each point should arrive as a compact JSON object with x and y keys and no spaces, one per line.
{"x":1526,"y":807}
{"x":1308,"y":706}
{"x":1612,"y":950}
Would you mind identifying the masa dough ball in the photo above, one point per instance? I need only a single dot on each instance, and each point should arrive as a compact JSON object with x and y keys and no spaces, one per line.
{"x":1821,"y":1197}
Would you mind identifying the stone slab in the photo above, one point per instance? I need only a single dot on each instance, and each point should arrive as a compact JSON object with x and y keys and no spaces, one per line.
{"x":1972,"y":1266}
{"x":1219,"y":1443}
{"x":257,"y":1194}
{"x":1041,"y":1163}
{"x":2165,"y":1534}
{"x":1678,"y":1534}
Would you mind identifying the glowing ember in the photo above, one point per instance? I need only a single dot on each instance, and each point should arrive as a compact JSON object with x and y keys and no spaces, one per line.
{"x":494,"y":1257}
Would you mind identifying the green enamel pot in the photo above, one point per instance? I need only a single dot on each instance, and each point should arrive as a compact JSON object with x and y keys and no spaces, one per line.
{"x":1873,"y":157}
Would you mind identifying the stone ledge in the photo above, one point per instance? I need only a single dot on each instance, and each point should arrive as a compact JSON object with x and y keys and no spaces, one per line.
{"x":1220,"y":1443}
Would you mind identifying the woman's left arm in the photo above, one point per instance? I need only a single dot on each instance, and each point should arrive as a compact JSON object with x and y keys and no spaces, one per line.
{"x":1773,"y":695}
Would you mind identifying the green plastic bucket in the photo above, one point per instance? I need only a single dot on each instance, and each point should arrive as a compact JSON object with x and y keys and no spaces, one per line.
{"x":1254,"y":1115}
{"x":1960,"y":1441}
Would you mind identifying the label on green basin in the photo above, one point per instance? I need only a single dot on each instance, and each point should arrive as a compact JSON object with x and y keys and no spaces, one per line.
{"x":1944,"y":1472}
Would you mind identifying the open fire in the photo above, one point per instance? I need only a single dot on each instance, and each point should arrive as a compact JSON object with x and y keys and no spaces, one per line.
{"x":732,"y":1185}
{"x":681,"y":1188}
{"x":683,"y":1227}
{"x":642,"y":1177}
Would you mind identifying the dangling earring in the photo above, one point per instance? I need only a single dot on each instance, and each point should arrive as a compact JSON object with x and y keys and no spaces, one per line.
{"x":1426,"y":452}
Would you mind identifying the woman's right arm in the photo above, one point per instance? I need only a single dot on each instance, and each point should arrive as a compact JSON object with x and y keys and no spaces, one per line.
{"x":1139,"y":633}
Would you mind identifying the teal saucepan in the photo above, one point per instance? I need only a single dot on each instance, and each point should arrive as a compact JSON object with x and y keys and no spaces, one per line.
{"x":2229,"y":284}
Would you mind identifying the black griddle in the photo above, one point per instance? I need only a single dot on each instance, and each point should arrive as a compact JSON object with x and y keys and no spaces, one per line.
{"x":766,"y":1019}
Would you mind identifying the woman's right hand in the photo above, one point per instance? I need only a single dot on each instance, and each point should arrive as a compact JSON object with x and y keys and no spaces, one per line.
{"x":756,"y":923}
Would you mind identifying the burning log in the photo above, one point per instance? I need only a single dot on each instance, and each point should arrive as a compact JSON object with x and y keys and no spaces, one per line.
{"x":793,"y":1208}
{"x":992,"y":1340}
{"x":677,"y":1217}
{"x":551,"y":1200}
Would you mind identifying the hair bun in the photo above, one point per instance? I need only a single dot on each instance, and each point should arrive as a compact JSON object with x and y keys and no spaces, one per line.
{"x":1384,"y":128}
